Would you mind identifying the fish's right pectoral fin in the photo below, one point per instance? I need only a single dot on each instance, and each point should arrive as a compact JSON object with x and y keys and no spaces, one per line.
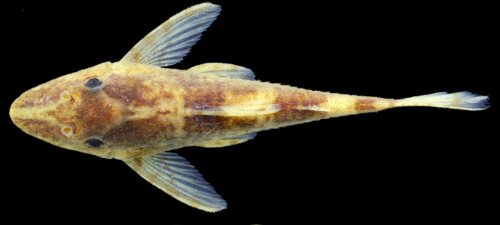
{"x":228,"y":141}
{"x":175,"y":176}
{"x":171,"y":41}
{"x":224,"y":70}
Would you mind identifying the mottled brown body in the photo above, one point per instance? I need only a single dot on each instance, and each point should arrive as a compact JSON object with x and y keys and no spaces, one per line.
{"x":136,"y":111}
{"x":142,"y":110}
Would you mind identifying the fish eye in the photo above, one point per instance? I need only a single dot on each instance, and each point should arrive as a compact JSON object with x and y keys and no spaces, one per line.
{"x":93,"y":83}
{"x":94,"y":143}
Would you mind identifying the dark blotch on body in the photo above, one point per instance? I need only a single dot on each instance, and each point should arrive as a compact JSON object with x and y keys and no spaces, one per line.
{"x":198,"y":124}
{"x":95,"y":113}
{"x":140,"y":132}
{"x":291,"y":99}
{"x":291,"y":116}
{"x":202,"y":91}
{"x":364,"y":104}
{"x":125,"y":89}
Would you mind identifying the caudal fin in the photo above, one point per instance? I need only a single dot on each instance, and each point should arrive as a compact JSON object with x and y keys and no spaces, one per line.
{"x":458,"y":100}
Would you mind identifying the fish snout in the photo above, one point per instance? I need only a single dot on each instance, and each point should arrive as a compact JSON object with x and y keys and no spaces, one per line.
{"x":30,"y":110}
{"x":37,"y":97}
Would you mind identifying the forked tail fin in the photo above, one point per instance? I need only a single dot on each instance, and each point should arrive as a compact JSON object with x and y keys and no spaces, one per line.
{"x":458,"y":100}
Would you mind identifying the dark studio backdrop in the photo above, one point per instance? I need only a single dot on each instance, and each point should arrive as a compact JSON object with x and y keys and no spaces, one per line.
{"x":399,"y":165}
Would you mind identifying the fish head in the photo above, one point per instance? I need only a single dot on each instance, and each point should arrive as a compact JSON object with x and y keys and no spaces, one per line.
{"x":71,"y":111}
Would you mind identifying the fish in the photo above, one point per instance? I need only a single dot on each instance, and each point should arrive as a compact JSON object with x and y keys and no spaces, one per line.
{"x":138,"y":110}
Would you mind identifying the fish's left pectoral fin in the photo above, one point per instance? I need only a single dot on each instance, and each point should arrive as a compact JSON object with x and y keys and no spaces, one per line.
{"x":224,"y":70}
{"x":171,"y":41}
{"x":174,"y":175}
{"x":228,"y":141}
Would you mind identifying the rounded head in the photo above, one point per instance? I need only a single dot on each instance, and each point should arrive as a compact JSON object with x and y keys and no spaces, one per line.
{"x":71,"y":111}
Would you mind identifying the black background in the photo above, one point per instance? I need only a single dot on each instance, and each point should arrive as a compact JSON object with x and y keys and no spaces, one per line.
{"x":408,"y":164}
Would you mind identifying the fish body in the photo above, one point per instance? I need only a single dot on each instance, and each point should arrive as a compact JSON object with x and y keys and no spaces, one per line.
{"x":140,"y":110}
{"x":136,"y":111}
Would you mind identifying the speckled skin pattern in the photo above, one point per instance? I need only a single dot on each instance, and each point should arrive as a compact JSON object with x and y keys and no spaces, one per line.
{"x":141,"y":110}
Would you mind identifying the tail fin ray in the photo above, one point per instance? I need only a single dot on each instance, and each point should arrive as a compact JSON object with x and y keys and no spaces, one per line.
{"x":458,"y":100}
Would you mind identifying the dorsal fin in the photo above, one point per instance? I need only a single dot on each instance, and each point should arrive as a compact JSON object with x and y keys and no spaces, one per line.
{"x":171,"y":41}
{"x":224,"y":70}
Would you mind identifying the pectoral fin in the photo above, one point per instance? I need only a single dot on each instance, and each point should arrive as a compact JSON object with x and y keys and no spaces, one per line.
{"x":224,"y":142}
{"x":171,"y":41}
{"x":175,"y":176}
{"x":224,"y":70}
